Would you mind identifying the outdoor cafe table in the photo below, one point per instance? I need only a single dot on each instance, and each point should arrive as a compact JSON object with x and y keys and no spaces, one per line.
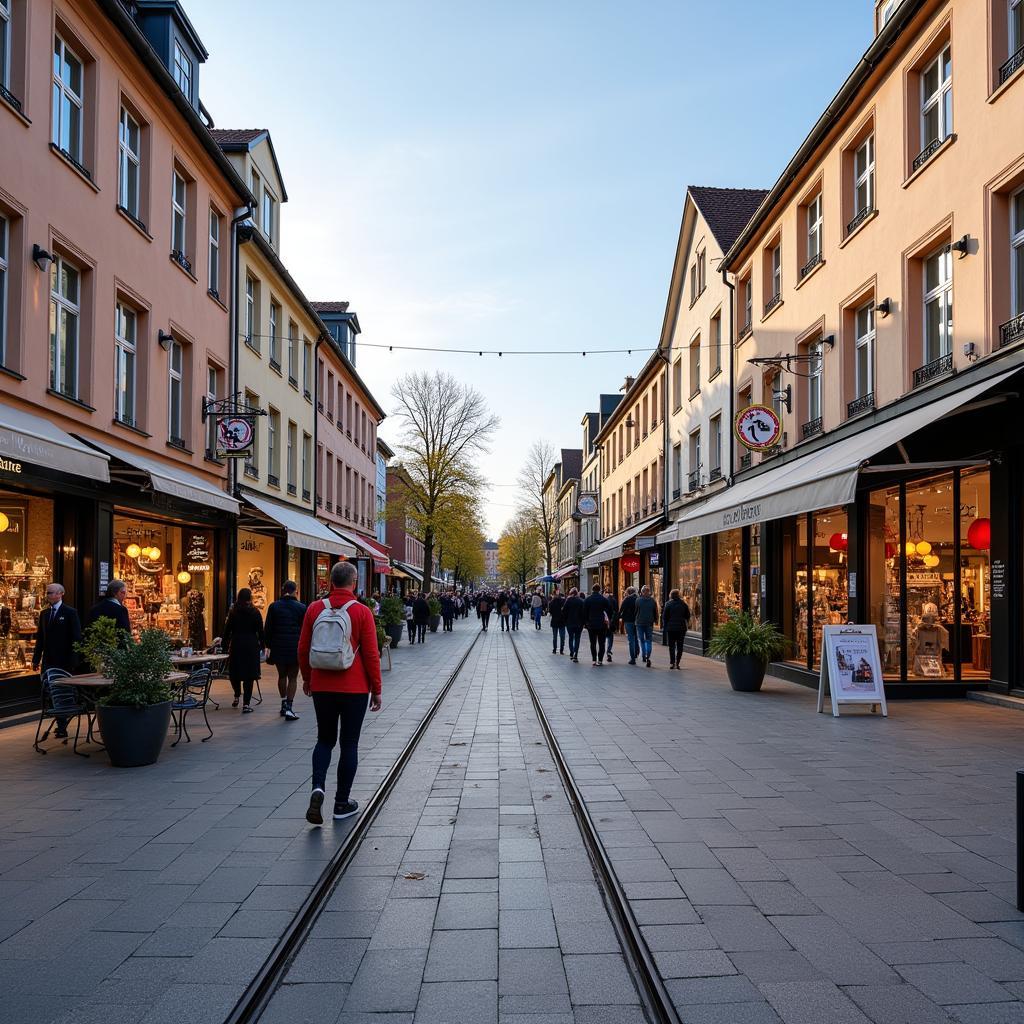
{"x":183,"y":660}
{"x":96,"y":681}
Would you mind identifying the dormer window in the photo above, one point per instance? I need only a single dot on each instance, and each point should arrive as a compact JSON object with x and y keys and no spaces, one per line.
{"x":268,"y":214}
{"x":183,"y":70}
{"x":888,"y":10}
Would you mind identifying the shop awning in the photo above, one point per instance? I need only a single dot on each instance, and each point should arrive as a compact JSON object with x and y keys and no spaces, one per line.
{"x":381,"y":560}
{"x":28,"y":438}
{"x":302,"y":529}
{"x":566,"y":570}
{"x":823,"y":479}
{"x":410,"y":571}
{"x":613,"y":547}
{"x":165,"y":479}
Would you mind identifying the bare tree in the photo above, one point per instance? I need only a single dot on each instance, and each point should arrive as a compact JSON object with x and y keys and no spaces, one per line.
{"x":540,"y":460}
{"x":447,"y":427}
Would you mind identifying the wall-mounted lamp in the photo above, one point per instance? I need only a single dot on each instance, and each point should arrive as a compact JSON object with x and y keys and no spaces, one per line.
{"x":164,"y":339}
{"x":962,"y":246}
{"x":785,"y":395}
{"x":971,"y":351}
{"x":830,"y":341}
{"x":884,"y":307}
{"x":41,"y":258}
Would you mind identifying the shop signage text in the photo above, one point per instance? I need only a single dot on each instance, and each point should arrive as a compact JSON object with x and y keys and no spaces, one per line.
{"x":9,"y":465}
{"x":630,"y":562}
{"x":654,"y":559}
{"x":997,"y":578}
{"x":644,"y":542}
{"x":743,"y":514}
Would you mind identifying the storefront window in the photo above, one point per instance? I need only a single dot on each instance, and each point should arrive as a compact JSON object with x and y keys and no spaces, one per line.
{"x":829,"y":586}
{"x":323,"y":575}
{"x":256,"y":567}
{"x":728,"y":566}
{"x":883,"y":575}
{"x":26,"y":559}
{"x":688,"y":578}
{"x":755,"y":571}
{"x":169,"y":573}
{"x":294,"y":567}
{"x":798,"y":631}
{"x":975,"y":576}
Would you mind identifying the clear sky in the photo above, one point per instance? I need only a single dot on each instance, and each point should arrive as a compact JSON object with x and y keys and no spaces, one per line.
{"x":511,"y":174}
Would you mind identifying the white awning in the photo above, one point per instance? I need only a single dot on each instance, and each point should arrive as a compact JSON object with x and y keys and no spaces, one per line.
{"x":302,"y":529}
{"x":409,"y":570}
{"x":612,"y":548}
{"x":165,"y":479}
{"x":823,"y":479}
{"x":25,"y":437}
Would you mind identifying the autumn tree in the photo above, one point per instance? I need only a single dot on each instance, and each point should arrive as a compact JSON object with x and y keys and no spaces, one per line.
{"x":519,"y":549}
{"x":540,"y":460}
{"x":446,"y":428}
{"x":459,"y":538}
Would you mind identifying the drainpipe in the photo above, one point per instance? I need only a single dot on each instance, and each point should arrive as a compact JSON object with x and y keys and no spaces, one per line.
{"x":316,"y":419}
{"x":732,"y":369}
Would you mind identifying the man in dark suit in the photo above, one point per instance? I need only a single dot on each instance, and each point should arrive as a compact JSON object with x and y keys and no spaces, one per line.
{"x":112,"y":607}
{"x":58,"y":631}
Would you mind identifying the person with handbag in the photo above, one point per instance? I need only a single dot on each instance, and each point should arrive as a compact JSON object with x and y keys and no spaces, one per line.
{"x":597,"y":613}
{"x":243,"y":640}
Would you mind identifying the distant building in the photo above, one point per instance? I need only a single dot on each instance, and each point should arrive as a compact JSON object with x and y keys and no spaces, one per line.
{"x":490,"y":561}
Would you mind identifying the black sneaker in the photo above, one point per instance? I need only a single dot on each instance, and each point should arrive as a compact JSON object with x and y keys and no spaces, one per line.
{"x":314,"y":815}
{"x":345,"y":809}
{"x":289,"y":715}
{"x":284,"y":707}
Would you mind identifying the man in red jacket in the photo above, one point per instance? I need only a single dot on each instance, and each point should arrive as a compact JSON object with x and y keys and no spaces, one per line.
{"x":340,"y":695}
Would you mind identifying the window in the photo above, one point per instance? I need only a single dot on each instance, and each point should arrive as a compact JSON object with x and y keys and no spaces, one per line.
{"x":307,"y":367}
{"x":5,"y":230}
{"x":128,"y":140}
{"x":183,"y":70}
{"x":268,"y":214}
{"x":293,"y":455}
{"x":179,"y":218}
{"x":65,"y":315}
{"x":775,"y":394}
{"x":1016,"y":39}
{"x":307,"y":450}
{"x":654,"y":405}
{"x":255,"y":185}
{"x":125,"y":331}
{"x":273,"y":452}
{"x":275,"y":338}
{"x":252,"y":312}
{"x":214,"y":284}
{"x":695,"y":463}
{"x":715,"y":446}
{"x":748,"y":303}
{"x":863,"y":181}
{"x":176,"y":388}
{"x":773,"y":285}
{"x":330,"y":395}
{"x":5,"y":44}
{"x":253,"y":461}
{"x":716,"y":344}
{"x":677,"y":383}
{"x":212,"y":394}
{"x":938,"y":305}
{"x":1016,"y":255}
{"x":698,"y":276}
{"x":695,"y":366}
{"x":936,"y":103}
{"x":68,"y":80}
{"x":813,"y":253}
{"x":293,"y":353}
{"x":814,"y":367}
{"x":888,"y":10}
{"x":864,"y":350}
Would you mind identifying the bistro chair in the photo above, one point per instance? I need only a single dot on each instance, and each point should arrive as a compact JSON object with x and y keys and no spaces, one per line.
{"x":218,"y":669}
{"x":59,"y":701}
{"x":193,"y":695}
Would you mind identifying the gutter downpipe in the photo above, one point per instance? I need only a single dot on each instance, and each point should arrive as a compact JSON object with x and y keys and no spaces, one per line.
{"x":666,"y":438}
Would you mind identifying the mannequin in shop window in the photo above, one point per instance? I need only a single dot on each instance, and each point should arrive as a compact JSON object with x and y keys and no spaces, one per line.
{"x":929,"y":640}
{"x":195,"y":620}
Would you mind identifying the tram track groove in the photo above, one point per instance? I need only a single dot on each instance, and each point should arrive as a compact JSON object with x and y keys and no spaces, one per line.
{"x":251,"y":1005}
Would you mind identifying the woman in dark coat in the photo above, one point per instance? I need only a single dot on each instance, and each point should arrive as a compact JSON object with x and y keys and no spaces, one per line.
{"x":243,"y":639}
{"x":284,"y":624}
{"x":675,"y":619}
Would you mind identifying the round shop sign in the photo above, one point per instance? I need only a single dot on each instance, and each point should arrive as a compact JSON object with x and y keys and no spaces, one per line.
{"x":587,"y":505}
{"x":758,"y":427}
{"x":235,"y":433}
{"x":630,"y":563}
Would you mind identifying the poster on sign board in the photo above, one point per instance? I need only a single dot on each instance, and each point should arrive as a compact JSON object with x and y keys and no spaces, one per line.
{"x":851,"y":669}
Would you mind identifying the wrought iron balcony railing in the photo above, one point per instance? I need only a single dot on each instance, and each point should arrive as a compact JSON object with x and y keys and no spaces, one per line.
{"x":292,"y":489}
{"x":859,"y":218}
{"x":936,"y":368}
{"x":746,"y":329}
{"x":10,"y":98}
{"x":772,"y":303}
{"x":745,"y":460}
{"x":928,"y":152}
{"x":776,"y":449}
{"x":862,"y":404}
{"x":816,"y":260}
{"x":693,"y":480}
{"x":1013,"y":64}
{"x":182,"y":260}
{"x":252,"y":471}
{"x":811,"y":427}
{"x":273,"y":480}
{"x":676,"y":492}
{"x":715,"y":474}
{"x":1011,"y":331}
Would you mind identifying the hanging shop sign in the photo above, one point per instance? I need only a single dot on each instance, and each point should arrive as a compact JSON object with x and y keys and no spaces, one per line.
{"x":654,"y":559}
{"x":587,"y":504}
{"x":630,"y":562}
{"x":851,"y":669}
{"x":645,"y":542}
{"x":10,"y":465}
{"x":757,"y":427}
{"x":235,"y":435}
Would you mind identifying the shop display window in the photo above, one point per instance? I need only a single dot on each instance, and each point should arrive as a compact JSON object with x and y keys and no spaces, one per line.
{"x":257,"y":567}
{"x":975,"y":576}
{"x":26,"y":560}
{"x":796,"y":626}
{"x":323,"y":575}
{"x":755,"y":571}
{"x":169,"y":573}
{"x":829,"y":594}
{"x":688,"y":579}
{"x":294,"y":568}
{"x":883,"y":582}
{"x":728,"y":566}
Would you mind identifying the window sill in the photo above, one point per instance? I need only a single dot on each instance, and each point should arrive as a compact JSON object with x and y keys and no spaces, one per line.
{"x":124,"y":425}
{"x":717,"y":372}
{"x":188,"y":273}
{"x":13,"y":374}
{"x":946,"y":143}
{"x":212,"y":459}
{"x":308,"y":397}
{"x":69,"y":161}
{"x":135,"y":222}
{"x":694,"y":394}
{"x":13,"y":104}
{"x":768,"y":313}
{"x":275,"y":366}
{"x":810,"y":273}
{"x":69,"y":398}
{"x":182,"y":447}
{"x":293,"y":383}
{"x":859,"y":228}
{"x":1003,"y":86}
{"x":252,"y":348}
{"x":217,"y":299}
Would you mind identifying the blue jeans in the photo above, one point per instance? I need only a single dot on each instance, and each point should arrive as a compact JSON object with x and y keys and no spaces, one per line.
{"x":646,"y":636}
{"x":557,"y":634}
{"x":575,"y":632}
{"x":634,"y":646}
{"x":537,"y":612}
{"x":611,"y":637}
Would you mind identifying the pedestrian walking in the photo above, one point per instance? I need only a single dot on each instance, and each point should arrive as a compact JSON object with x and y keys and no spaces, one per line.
{"x":447,"y":611}
{"x":505,"y":612}
{"x":536,"y":608}
{"x":111,"y":606}
{"x":421,"y":616}
{"x":516,"y":608}
{"x":646,"y":620}
{"x":597,"y":619}
{"x":483,"y":610}
{"x":57,"y":632}
{"x":340,"y":667}
{"x":244,"y":641}
{"x":410,"y":625}
{"x":675,"y":619}
{"x":613,"y":619}
{"x":627,"y":613}
{"x":574,"y":613}
{"x":281,"y":632}
{"x":556,"y":613}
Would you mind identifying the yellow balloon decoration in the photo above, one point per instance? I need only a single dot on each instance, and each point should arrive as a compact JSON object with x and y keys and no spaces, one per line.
{"x":923,"y":547}
{"x":133,"y":551}
{"x":5,"y":523}
{"x":154,"y":554}
{"x":184,"y":577}
{"x":911,"y":548}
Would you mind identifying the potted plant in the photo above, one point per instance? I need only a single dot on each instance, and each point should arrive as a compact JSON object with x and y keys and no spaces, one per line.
{"x":392,"y":617}
{"x":747,"y":646}
{"x":136,"y":712}
{"x":435,"y":614}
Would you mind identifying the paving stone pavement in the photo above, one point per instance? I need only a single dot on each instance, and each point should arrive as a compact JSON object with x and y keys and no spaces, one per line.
{"x":472,"y":899}
{"x":154,"y":894}
{"x":788,"y":866}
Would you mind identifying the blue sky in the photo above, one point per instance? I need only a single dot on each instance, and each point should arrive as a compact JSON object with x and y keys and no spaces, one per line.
{"x":511,"y":175}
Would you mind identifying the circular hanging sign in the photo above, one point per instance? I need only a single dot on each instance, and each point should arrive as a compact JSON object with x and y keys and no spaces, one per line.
{"x":630,"y":563}
{"x":758,"y":427}
{"x":587,"y":505}
{"x":235,"y":433}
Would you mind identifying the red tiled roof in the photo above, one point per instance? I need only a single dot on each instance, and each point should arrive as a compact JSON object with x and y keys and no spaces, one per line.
{"x":330,"y":307}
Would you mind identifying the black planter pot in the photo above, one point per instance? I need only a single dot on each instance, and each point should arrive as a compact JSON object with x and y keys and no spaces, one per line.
{"x":134,"y":736}
{"x":434,"y":622}
{"x":746,"y":673}
{"x":395,"y":632}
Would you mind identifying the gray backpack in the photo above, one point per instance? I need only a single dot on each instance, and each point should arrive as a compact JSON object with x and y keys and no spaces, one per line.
{"x":330,"y":643}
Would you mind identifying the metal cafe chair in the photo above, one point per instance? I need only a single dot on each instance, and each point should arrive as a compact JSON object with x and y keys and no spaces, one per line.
{"x":59,"y":701}
{"x":193,"y":695}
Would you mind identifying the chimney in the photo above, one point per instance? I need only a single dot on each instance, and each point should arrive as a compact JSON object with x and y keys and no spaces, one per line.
{"x":628,"y":384}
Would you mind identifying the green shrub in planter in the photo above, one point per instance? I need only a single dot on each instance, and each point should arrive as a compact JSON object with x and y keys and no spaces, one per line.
{"x":434,"y":605}
{"x":747,"y":646}
{"x":392,"y":617}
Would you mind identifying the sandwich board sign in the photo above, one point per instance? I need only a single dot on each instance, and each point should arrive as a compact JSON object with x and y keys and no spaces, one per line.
{"x":851,"y":669}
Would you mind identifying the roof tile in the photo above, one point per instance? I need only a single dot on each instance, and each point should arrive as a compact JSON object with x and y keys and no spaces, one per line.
{"x":727,"y":210}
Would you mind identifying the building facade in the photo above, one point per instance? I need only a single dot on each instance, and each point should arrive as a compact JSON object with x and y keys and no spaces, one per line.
{"x":566,"y":563}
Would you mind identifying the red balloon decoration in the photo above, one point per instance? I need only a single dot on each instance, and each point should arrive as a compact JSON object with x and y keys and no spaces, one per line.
{"x":890,"y":550}
{"x":630,"y":563}
{"x":979,"y":534}
{"x":838,"y":542}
